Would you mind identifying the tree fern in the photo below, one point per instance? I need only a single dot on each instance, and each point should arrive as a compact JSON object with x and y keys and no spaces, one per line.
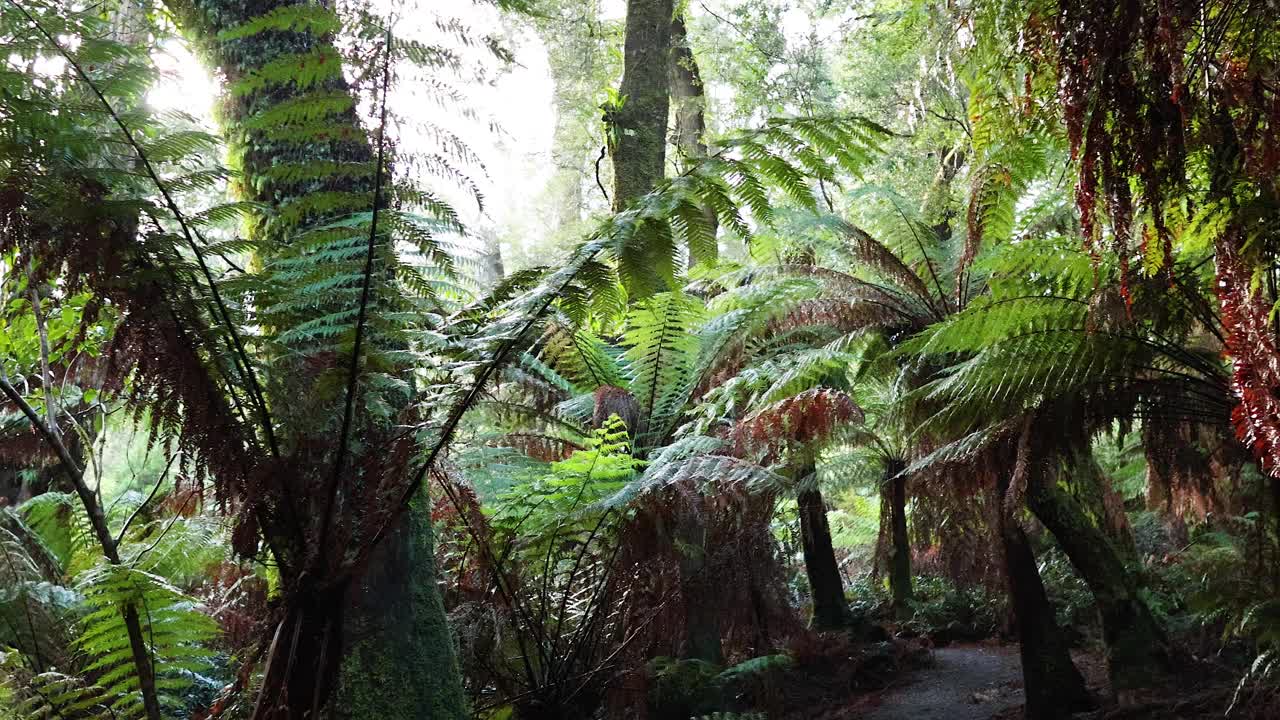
{"x":691,"y":462}
{"x":1049,"y":338}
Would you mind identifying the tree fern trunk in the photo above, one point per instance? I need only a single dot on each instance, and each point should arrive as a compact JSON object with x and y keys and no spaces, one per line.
{"x":900,"y":562}
{"x":825,"y":584}
{"x":1054,"y":687}
{"x":639,"y":126}
{"x":1137,"y":648}
{"x":697,"y":587}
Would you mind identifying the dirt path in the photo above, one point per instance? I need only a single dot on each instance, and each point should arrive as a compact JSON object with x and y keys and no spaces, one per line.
{"x":965,"y":683}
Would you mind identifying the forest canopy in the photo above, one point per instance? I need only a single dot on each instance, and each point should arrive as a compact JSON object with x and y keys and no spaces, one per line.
{"x":666,"y":359}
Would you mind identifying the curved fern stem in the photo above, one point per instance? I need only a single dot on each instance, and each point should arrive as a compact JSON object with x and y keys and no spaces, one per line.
{"x":353,"y":374}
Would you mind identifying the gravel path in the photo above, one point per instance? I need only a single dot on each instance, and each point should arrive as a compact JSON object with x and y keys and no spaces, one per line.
{"x":964,"y":683}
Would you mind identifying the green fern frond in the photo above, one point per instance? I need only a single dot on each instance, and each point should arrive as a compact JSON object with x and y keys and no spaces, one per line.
{"x":583,"y":359}
{"x":177,"y":633}
{"x":300,"y":71}
{"x":58,"y":519}
{"x":57,"y":695}
{"x":660,"y":359}
{"x":695,"y":460}
{"x":315,"y":19}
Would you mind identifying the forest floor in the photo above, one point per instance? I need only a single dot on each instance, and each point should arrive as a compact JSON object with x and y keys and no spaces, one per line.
{"x":984,"y":682}
{"x":964,"y":682}
{"x":906,"y":680}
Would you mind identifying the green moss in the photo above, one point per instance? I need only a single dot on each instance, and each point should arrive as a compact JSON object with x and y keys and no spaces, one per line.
{"x":404,"y":664}
{"x":680,"y":688}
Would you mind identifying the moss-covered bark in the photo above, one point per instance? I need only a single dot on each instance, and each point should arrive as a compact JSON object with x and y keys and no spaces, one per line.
{"x":825,"y":583}
{"x":1138,"y":649}
{"x":689,"y":108}
{"x":402,"y":661}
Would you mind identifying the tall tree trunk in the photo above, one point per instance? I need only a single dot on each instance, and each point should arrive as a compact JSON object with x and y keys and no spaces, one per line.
{"x":689,"y":105}
{"x":1054,"y":687}
{"x":1137,"y":648}
{"x":639,"y":127}
{"x":697,"y":585}
{"x":900,"y":560}
{"x":415,"y":674}
{"x":825,"y":583}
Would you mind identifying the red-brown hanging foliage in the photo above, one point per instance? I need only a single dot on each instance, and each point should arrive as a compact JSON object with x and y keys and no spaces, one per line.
{"x":1191,"y":471}
{"x":798,"y":420}
{"x":1120,"y":78}
{"x":159,"y":345}
{"x":1255,"y":376}
{"x":1145,"y":85}
{"x":236,"y":597}
{"x":24,"y":447}
{"x":463,"y":532}
{"x":742,"y":571}
{"x":541,"y":447}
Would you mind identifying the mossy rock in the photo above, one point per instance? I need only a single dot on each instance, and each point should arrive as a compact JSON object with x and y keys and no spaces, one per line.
{"x":679,"y":689}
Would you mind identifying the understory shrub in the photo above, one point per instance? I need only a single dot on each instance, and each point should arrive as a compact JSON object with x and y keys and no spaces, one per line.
{"x":680,"y":689}
{"x":949,"y":613}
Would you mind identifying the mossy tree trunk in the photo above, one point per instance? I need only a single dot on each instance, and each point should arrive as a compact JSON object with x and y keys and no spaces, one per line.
{"x":300,"y":148}
{"x":825,"y":583}
{"x":1054,"y":687}
{"x":689,"y":108}
{"x":1138,"y":649}
{"x":401,"y":662}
